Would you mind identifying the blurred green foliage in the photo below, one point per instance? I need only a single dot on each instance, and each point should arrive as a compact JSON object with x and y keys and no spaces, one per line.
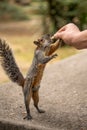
{"x":54,"y":13}
{"x":11,"y":12}
{"x":62,"y":12}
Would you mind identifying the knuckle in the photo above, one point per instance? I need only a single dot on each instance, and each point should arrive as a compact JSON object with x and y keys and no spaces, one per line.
{"x":70,"y":24}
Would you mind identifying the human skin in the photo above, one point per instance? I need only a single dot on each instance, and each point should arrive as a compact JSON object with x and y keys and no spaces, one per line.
{"x":72,"y":36}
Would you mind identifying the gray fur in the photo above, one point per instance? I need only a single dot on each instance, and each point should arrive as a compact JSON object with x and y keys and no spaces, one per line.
{"x":8,"y":63}
{"x":33,"y":78}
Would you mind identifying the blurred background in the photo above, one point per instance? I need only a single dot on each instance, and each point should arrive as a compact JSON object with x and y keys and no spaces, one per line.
{"x":23,"y":21}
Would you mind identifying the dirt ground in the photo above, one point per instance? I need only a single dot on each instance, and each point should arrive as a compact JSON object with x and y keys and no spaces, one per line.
{"x":32,"y":27}
{"x":63,"y":96}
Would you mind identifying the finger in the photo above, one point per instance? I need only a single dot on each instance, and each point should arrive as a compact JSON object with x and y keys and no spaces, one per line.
{"x":58,"y":35}
{"x":60,"y":32}
{"x":62,"y":29}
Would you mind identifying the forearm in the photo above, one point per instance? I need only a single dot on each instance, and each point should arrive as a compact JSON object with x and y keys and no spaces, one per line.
{"x":42,"y":58}
{"x":45,"y":59}
{"x":80,"y":40}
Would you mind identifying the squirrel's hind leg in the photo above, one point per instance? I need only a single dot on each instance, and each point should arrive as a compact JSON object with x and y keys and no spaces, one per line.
{"x":35,"y":96}
{"x":27,"y":98}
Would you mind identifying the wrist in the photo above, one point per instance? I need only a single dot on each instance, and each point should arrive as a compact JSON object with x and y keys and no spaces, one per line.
{"x":79,"y":41}
{"x":76,"y":39}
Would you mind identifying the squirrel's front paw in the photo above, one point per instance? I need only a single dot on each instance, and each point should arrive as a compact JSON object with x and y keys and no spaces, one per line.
{"x":54,"y":56}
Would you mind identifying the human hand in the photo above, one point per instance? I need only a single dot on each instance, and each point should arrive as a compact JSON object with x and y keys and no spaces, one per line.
{"x":67,"y":33}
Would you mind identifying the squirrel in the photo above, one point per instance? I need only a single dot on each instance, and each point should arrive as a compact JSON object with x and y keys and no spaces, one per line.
{"x":45,"y":47}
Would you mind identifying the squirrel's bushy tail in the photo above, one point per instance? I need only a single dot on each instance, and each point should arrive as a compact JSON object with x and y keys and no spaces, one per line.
{"x":9,"y":64}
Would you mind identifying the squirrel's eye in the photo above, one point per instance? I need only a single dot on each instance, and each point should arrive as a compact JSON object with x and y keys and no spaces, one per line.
{"x":41,"y":40}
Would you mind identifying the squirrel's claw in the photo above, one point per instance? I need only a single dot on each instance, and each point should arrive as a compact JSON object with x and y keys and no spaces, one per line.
{"x":54,"y":56}
{"x":28,"y":117}
{"x":41,"y":111}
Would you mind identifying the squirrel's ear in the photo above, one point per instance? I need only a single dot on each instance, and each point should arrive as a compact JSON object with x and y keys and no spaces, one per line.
{"x":36,"y":43}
